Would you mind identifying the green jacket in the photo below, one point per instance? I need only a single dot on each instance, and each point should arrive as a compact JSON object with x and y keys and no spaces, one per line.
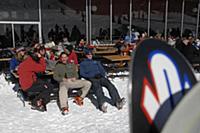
{"x":64,"y":71}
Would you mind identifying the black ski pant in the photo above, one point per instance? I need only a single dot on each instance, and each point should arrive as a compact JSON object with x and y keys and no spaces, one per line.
{"x":44,"y":90}
{"x":98,"y":83}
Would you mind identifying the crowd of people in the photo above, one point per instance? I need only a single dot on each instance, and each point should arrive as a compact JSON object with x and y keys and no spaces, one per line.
{"x":88,"y":75}
{"x":190,"y":48}
{"x":187,"y":45}
{"x":28,"y":35}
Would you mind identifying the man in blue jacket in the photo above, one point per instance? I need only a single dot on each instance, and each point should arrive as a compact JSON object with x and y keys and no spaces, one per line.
{"x":93,"y":71}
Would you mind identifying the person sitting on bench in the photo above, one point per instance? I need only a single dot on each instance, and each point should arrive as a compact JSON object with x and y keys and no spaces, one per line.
{"x":29,"y":83}
{"x":66,"y":74}
{"x":94,"y":72}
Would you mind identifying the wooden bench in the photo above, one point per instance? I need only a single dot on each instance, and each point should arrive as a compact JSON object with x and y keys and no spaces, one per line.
{"x":27,"y":97}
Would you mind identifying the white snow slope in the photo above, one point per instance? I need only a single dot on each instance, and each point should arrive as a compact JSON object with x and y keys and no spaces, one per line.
{"x":14,"y":118}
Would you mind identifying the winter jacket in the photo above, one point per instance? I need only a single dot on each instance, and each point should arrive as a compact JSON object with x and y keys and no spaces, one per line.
{"x":190,"y":52}
{"x":72,"y":58}
{"x":64,"y":71}
{"x":90,"y":68}
{"x":13,"y":64}
{"x":27,"y":72}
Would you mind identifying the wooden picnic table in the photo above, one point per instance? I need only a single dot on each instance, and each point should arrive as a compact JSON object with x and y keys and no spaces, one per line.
{"x":5,"y":59}
{"x":113,"y":51}
{"x":117,"y":62}
{"x":104,"y":48}
{"x":105,"y":52}
{"x":105,"y":45}
{"x":117,"y":58}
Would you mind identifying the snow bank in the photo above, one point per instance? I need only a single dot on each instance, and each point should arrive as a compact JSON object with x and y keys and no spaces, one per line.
{"x":87,"y":119}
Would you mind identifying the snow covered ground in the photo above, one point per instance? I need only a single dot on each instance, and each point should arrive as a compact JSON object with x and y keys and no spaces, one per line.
{"x":87,"y":119}
{"x":14,"y":118}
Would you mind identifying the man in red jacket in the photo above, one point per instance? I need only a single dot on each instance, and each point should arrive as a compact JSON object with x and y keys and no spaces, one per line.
{"x":27,"y":70}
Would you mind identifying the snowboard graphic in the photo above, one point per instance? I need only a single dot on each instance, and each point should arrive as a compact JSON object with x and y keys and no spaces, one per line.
{"x":186,"y":116}
{"x":161,"y":77}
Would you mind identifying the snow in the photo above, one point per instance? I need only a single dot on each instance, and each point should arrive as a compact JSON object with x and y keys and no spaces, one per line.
{"x":86,"y":119}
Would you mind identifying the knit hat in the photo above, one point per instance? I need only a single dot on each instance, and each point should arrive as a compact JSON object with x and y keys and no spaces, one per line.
{"x":20,"y":49}
{"x":87,"y":51}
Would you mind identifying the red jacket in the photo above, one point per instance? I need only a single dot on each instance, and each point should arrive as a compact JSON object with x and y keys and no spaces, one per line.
{"x":52,"y":57}
{"x":27,"y":72}
{"x":72,"y":58}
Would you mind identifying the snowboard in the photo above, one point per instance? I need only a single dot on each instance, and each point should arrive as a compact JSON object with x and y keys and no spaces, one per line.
{"x":160,"y":78}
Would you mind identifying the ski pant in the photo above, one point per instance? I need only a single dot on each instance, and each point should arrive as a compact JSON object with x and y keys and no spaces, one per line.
{"x":98,"y":83}
{"x":64,"y":86}
{"x":44,"y":90}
